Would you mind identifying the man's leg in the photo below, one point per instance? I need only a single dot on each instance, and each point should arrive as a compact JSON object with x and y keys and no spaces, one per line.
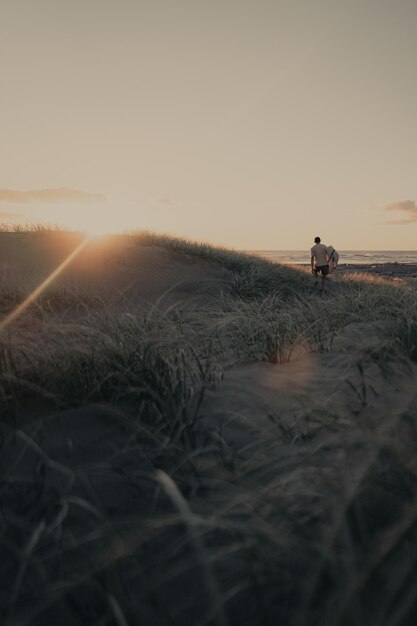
{"x":324,"y":271}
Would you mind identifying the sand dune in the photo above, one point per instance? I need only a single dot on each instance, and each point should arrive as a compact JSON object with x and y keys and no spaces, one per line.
{"x":116,"y":268}
{"x":167,"y":456}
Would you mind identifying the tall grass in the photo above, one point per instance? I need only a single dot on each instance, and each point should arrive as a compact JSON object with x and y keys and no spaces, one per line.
{"x":32,"y":227}
{"x":312,"y":521}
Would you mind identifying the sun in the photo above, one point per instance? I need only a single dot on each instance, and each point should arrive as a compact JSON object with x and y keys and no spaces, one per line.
{"x":94,"y":225}
{"x":98,"y":219}
{"x":97,"y":230}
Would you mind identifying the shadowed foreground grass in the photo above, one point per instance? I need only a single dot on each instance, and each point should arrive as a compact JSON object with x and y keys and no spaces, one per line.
{"x":158,"y":516}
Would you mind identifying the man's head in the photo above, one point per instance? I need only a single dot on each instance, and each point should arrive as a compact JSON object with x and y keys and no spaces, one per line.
{"x":317,"y":239}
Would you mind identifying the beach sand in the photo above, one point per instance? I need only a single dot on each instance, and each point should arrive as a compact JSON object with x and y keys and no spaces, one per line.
{"x":405,"y":271}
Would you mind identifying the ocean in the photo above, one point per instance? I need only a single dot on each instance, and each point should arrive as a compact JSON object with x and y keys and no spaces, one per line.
{"x":364,"y":257}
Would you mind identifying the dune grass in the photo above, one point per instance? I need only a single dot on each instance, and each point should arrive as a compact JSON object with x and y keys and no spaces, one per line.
{"x":315,"y":524}
{"x":32,"y":227}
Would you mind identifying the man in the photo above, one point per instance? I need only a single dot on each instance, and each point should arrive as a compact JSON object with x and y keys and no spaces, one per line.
{"x":319,"y":261}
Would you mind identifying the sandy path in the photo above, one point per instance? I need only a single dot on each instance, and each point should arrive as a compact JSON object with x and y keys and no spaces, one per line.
{"x":313,"y":394}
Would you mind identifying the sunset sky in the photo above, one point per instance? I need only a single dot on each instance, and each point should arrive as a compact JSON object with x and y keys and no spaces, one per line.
{"x":250,"y":123}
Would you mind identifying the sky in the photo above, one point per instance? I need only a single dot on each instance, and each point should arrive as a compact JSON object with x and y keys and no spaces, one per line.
{"x":255,"y":124}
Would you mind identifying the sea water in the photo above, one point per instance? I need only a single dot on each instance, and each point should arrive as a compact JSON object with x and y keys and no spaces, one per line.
{"x":364,"y":257}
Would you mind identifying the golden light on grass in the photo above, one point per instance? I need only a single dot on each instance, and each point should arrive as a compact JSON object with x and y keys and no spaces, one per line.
{"x":9,"y":319}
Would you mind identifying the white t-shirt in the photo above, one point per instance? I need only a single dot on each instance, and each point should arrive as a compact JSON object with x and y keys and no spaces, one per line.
{"x":319,"y":252}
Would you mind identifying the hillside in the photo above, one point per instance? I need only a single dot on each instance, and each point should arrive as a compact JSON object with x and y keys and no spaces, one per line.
{"x":195,"y":436}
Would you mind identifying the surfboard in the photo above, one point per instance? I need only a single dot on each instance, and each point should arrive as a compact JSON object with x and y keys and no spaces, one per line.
{"x":333,"y":258}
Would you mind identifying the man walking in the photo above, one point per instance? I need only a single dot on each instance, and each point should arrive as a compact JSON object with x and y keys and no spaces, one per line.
{"x":319,"y":261}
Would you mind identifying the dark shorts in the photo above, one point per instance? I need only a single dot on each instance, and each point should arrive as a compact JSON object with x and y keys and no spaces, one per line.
{"x":322,"y":269}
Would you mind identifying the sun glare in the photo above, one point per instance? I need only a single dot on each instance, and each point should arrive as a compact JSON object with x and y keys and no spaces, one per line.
{"x":97,"y":230}
{"x":93,"y":219}
{"x":94,"y":225}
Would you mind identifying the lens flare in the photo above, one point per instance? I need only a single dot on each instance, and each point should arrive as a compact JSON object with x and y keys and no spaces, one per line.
{"x":9,"y":319}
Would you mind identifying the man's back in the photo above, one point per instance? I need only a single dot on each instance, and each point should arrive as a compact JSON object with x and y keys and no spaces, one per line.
{"x":319,"y":252}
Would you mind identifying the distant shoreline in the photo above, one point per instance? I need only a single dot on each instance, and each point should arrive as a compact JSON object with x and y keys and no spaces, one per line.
{"x":349,"y":258}
{"x":388,"y":270}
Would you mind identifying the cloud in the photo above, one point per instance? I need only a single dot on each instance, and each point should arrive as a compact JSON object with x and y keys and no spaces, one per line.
{"x":62,"y":194}
{"x":9,"y":216}
{"x":407,"y":207}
